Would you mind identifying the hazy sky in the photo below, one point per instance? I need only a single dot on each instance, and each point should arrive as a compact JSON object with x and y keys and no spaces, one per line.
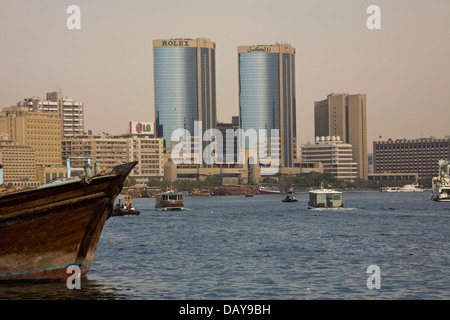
{"x":404,"y":68}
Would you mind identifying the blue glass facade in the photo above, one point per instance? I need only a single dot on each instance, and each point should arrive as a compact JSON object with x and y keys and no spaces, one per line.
{"x":267,"y":95}
{"x":185,"y":83}
{"x":176,"y":100}
{"x":259,"y":91}
{"x":287,"y":110}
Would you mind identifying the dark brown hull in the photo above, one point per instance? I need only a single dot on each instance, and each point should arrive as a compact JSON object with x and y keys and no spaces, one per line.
{"x":169,"y":205}
{"x":45,"y":230}
{"x":269,"y":192}
{"x":123,"y":212}
{"x":235,"y":190}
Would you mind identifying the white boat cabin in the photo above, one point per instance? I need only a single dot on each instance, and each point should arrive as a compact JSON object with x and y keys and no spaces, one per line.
{"x":325,"y":198}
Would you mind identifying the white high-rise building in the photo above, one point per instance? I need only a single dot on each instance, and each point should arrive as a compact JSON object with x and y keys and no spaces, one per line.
{"x":70,"y":111}
{"x":336,"y":156}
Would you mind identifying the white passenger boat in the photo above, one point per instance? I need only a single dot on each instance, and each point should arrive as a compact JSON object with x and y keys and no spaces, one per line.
{"x":441,"y":183}
{"x":390,"y":189}
{"x":325,"y":198}
{"x":411,"y":188}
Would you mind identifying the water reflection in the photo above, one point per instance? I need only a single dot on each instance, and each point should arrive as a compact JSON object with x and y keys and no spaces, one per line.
{"x":90,"y":290}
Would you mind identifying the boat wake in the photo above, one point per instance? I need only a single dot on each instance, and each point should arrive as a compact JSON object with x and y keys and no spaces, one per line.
{"x":332,"y":209}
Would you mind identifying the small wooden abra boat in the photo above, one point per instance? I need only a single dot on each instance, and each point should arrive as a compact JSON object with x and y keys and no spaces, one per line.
{"x":201,"y":193}
{"x":169,"y":200}
{"x":118,"y":212}
{"x":290,"y":197}
{"x":45,"y":230}
{"x":124,"y":209}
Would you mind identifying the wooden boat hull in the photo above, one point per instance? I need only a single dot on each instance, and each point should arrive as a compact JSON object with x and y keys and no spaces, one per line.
{"x":169,"y":200}
{"x":123,"y":212}
{"x":45,"y":230}
{"x":170,"y":205}
{"x":234,"y":190}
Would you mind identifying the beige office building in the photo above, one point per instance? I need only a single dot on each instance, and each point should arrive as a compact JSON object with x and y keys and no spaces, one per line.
{"x":38,"y":130}
{"x":110,"y":150}
{"x":19,"y":165}
{"x":345,"y":115}
{"x":406,"y":156}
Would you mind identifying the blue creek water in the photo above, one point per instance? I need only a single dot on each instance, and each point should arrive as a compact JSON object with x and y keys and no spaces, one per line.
{"x":258,"y":248}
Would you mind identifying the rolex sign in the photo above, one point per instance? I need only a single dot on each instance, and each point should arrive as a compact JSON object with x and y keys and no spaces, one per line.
{"x":142,"y":128}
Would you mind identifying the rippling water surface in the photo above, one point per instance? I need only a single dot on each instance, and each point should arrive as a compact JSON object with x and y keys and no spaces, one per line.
{"x":233,"y":247}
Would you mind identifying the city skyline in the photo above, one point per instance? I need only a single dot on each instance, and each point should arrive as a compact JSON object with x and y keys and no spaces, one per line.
{"x":108,"y":64}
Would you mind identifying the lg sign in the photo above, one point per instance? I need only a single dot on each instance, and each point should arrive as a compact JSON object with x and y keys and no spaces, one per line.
{"x":142,"y":127}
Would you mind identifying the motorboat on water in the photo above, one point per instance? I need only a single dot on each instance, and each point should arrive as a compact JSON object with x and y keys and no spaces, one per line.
{"x":290,"y":197}
{"x":390,"y":189}
{"x":441,"y":183}
{"x":406,"y":188}
{"x":411,"y":188}
{"x":126,"y":208}
{"x":169,"y":200}
{"x":125,"y":211}
{"x":269,"y":190}
{"x":325,"y":198}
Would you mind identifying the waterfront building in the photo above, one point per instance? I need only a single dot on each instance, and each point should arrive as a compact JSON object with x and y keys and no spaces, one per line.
{"x":238,"y":174}
{"x":107,"y":151}
{"x":48,"y":173}
{"x":345,"y":115}
{"x":402,"y":156}
{"x":70,"y":112}
{"x":19,"y":165}
{"x":396,"y":179}
{"x":184,"y":86}
{"x":370,"y":163}
{"x":39,"y":130}
{"x":267,"y":98}
{"x":336,"y":156}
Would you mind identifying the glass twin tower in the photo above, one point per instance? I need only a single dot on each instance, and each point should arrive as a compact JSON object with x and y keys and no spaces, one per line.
{"x":185,"y":90}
